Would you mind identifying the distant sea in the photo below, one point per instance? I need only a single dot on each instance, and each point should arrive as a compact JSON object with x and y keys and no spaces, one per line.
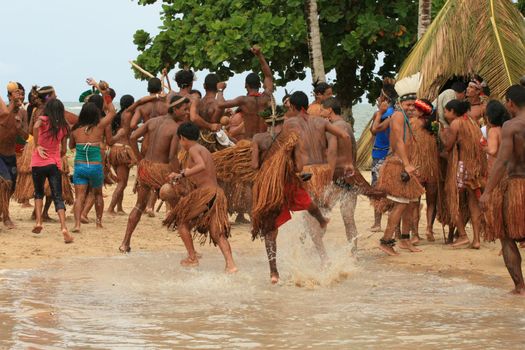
{"x":362,"y":114}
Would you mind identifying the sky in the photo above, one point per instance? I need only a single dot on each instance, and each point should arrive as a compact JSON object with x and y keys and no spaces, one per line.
{"x":63,"y":42}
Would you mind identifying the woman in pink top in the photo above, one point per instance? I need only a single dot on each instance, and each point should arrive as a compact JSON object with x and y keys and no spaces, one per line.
{"x":50,"y":135}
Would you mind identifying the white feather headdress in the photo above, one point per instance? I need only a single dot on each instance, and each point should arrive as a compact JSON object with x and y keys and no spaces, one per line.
{"x":408,"y":87}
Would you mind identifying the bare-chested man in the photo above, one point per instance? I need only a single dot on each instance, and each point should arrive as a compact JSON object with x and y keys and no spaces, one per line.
{"x":298,"y":200}
{"x":159,"y":161}
{"x":398,"y":175}
{"x":206,"y":113}
{"x":11,"y":126}
{"x":511,"y":159}
{"x":477,"y":105}
{"x":341,"y":155}
{"x":255,"y":102}
{"x":205,"y":209}
{"x":312,"y":133}
{"x":144,"y":113}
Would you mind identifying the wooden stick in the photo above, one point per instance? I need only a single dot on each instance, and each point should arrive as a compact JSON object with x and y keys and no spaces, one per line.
{"x":146,"y":73}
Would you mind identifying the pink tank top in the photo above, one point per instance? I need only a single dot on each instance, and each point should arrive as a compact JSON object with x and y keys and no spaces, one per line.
{"x":50,"y":144}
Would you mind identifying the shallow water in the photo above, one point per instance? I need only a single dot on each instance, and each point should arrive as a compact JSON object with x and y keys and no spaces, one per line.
{"x":148,"y":301}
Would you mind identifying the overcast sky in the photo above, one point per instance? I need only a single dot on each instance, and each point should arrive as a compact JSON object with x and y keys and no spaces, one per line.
{"x":62,"y":42}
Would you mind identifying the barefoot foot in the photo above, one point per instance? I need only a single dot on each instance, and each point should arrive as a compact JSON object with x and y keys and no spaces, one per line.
{"x":9,"y":224}
{"x":407,"y":244}
{"x":388,"y":250}
{"x":375,"y":228}
{"x":460,"y":242}
{"x":274,"y":277}
{"x":84,"y":220}
{"x":150,"y":212}
{"x":240,"y":220}
{"x":324,"y":223}
{"x":67,"y":236}
{"x":76,"y":230}
{"x":190,"y":262}
{"x":415,"y":240}
{"x":37,"y":229}
{"x":430,"y":236}
{"x":230,"y":270}
{"x":475,"y":245}
{"x":124,"y":249}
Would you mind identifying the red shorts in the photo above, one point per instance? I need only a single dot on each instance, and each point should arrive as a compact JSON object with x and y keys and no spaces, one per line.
{"x":297,"y":199}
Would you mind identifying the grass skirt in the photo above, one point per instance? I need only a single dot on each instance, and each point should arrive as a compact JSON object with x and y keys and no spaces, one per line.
{"x":319,"y":185}
{"x":390,"y":180}
{"x":424,"y":155}
{"x":514,"y":208}
{"x":204,"y":210}
{"x":120,"y":154}
{"x":5,"y":195}
{"x":152,"y":174}
{"x":268,"y":192}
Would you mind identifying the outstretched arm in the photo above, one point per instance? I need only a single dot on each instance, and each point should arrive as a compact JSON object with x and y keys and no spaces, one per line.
{"x":336,"y":131}
{"x":267,"y":72}
{"x":197,"y":119}
{"x":236,"y":102}
{"x":110,"y":112}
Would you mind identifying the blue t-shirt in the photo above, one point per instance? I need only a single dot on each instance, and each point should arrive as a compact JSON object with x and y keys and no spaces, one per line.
{"x":382,"y":141}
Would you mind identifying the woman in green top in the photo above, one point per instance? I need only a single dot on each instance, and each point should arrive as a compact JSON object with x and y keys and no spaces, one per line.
{"x":86,"y":138}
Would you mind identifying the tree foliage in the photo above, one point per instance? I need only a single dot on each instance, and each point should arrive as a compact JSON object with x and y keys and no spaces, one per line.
{"x":217,"y":35}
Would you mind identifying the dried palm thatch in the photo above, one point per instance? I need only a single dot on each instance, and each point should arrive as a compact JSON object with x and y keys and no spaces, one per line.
{"x":364,"y":148}
{"x":485,"y":37}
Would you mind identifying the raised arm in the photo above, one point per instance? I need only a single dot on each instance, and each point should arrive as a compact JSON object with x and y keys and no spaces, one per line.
{"x":267,"y":72}
{"x":110,"y":113}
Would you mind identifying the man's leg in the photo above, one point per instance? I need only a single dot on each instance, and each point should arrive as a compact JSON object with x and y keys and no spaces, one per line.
{"x":394,"y":218}
{"x":409,"y":221}
{"x":150,"y":210}
{"x":270,"y":241}
{"x":134,"y":217}
{"x":187,"y":239}
{"x":460,"y":226}
{"x":347,"y":208}
{"x":415,"y":216}
{"x":314,"y":211}
{"x":122,"y":176}
{"x":512,"y":258}
{"x":220,"y":239}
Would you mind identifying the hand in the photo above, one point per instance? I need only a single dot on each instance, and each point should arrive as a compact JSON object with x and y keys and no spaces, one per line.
{"x":215,"y":127}
{"x":410,"y":169}
{"x":221,"y":85}
{"x":349,"y":170}
{"x":91,"y":82}
{"x":383,"y":106}
{"x":41,"y":152}
{"x":174,"y":177}
{"x":483,"y":201}
{"x":256,"y":50}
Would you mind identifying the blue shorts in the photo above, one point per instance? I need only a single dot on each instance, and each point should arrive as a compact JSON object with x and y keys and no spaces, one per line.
{"x":88,"y":174}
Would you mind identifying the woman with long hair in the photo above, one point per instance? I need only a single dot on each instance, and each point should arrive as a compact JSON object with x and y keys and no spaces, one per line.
{"x":50,"y":134}
{"x":86,"y":137}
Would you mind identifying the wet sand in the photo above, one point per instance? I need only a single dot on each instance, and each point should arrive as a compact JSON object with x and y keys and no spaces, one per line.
{"x":22,"y":249}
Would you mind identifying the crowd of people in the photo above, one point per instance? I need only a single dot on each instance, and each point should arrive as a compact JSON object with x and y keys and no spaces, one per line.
{"x":207,"y":158}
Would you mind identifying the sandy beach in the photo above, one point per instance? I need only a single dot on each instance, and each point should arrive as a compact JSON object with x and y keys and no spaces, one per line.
{"x":23,"y":249}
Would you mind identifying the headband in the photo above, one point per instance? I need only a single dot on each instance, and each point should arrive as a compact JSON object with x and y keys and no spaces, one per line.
{"x":178,"y":102}
{"x":45,"y":91}
{"x":408,"y":97}
{"x":423,"y":106}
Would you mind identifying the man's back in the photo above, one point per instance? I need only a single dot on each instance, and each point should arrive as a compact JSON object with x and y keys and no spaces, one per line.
{"x":341,"y":150}
{"x":251,"y":107}
{"x":152,"y":109}
{"x":162,"y":130}
{"x":209,"y":110}
{"x":207,"y":177}
{"x":312,"y":135}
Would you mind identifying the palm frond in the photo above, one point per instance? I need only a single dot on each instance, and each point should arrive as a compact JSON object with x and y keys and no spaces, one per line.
{"x":485,"y":37}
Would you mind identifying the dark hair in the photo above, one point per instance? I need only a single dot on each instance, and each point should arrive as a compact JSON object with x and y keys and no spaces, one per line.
{"x":194,"y":91}
{"x":390,"y":93}
{"x":299,"y":100}
{"x":97,"y":100}
{"x":184,"y":78}
{"x":430,"y":117}
{"x":320,"y":88}
{"x":112,"y":93}
{"x":154,"y":86}
{"x":175,"y":99}
{"x":333,"y":103}
{"x":189,"y":131}
{"x":458,"y":107}
{"x":89,"y":116}
{"x":42,"y":96}
{"x":54,"y":111}
{"x":125,"y":102}
{"x":516,"y":94}
{"x":497,"y":114}
{"x":459,"y":86}
{"x":210,"y":82}
{"x":253,"y":81}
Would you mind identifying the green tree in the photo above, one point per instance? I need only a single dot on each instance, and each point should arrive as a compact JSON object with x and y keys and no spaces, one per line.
{"x":216,"y":35}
